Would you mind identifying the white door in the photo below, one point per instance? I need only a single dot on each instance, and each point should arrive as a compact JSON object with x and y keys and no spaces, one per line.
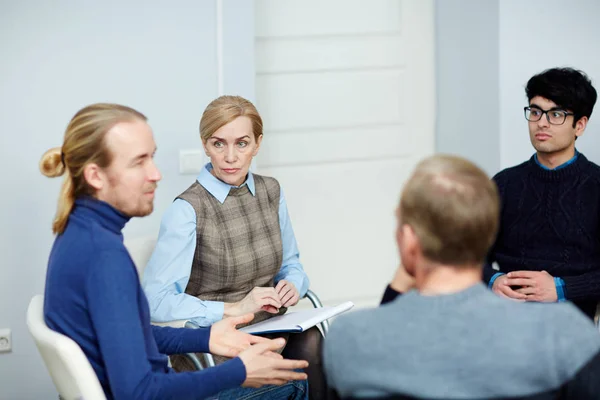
{"x":346,"y":91}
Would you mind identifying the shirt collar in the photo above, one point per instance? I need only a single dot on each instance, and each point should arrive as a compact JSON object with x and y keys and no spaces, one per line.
{"x":219,"y":189}
{"x":563,"y":165}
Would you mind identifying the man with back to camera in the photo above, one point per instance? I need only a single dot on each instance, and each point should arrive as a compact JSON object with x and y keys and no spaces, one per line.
{"x":443,"y":338}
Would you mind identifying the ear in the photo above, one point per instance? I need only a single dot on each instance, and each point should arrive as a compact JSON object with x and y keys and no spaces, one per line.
{"x":204,"y":143}
{"x":410,"y":240}
{"x":409,"y":246}
{"x":94,"y":176}
{"x":258,"y":142}
{"x":580,"y":126}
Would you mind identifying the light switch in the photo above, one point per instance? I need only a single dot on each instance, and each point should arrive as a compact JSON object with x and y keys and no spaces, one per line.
{"x":192,"y":161}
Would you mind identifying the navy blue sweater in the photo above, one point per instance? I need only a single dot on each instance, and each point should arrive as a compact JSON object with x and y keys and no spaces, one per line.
{"x":93,"y":296}
{"x":550,"y":221}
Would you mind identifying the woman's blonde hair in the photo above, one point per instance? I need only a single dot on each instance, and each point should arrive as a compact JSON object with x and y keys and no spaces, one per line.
{"x":453,"y":208}
{"x":224,"y":110}
{"x":83,"y":144}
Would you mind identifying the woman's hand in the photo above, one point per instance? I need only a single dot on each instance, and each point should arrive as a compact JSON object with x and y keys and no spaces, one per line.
{"x":259,"y":298}
{"x":288,"y":293}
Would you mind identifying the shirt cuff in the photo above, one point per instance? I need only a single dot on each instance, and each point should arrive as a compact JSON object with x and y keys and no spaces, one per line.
{"x":297,"y":281}
{"x":496,"y":275}
{"x":213,"y":313}
{"x":560,"y":290}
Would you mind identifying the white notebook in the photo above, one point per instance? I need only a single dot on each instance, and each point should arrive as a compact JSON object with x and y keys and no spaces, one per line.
{"x":297,"y":321}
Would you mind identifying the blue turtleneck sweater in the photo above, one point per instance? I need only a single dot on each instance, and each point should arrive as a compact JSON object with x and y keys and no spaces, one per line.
{"x":93,"y":295}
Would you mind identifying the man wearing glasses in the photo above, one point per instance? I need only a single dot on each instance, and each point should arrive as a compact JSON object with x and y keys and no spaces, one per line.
{"x":548,"y":246}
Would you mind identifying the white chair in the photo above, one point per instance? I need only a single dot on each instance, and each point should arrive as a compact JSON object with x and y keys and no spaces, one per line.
{"x":71,"y":372}
{"x":140,"y":249}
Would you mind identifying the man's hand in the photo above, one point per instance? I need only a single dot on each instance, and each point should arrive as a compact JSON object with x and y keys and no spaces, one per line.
{"x":288,"y":293}
{"x":402,"y":281}
{"x":265,"y":367}
{"x":259,"y":298}
{"x":535,"y":285}
{"x":503,"y":289}
{"x":226,"y":340}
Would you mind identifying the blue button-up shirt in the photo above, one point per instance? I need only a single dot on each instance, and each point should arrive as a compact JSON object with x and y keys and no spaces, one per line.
{"x":168,"y":271}
{"x":559,"y":283}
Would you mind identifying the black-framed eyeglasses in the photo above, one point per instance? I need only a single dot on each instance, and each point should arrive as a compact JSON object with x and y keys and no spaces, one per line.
{"x":555,"y":116}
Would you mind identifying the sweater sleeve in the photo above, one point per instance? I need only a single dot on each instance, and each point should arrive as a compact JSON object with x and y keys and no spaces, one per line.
{"x":179,"y":340}
{"x":582,"y":287}
{"x":112,"y":290}
{"x":585,"y":286}
{"x":488,"y":271}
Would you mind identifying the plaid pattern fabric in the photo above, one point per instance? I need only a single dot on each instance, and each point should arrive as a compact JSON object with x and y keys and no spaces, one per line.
{"x":238,"y":246}
{"x":238,"y":242}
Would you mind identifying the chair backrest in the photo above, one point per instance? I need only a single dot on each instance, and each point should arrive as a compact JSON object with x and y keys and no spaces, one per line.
{"x":140,"y":249}
{"x":71,"y":372}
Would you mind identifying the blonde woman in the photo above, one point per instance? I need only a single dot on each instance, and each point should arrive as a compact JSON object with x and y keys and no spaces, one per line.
{"x":226,"y":245}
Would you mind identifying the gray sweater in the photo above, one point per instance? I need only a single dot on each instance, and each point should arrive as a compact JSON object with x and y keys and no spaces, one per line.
{"x":468,"y":345}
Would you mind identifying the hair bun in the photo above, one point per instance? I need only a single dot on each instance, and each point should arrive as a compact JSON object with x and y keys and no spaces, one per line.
{"x":51,"y":164}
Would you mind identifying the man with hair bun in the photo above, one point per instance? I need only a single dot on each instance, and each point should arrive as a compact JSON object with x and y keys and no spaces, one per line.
{"x":93,"y":294}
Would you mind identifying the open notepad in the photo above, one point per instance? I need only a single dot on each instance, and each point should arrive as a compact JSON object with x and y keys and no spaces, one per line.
{"x":297,"y":321}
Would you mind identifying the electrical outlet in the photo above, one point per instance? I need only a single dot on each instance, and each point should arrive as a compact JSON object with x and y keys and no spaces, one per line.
{"x":5,"y":341}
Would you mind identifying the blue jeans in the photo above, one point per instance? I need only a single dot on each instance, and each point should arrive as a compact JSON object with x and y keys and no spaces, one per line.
{"x":295,"y":390}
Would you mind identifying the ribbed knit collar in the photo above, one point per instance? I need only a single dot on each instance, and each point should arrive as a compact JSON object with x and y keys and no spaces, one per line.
{"x":558,"y":174}
{"x":561,"y":166}
{"x":101,"y":212}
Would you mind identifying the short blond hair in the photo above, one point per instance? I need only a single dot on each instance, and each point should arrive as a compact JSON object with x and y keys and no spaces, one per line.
{"x":453,"y":208}
{"x":224,"y":110}
{"x":84,"y":143}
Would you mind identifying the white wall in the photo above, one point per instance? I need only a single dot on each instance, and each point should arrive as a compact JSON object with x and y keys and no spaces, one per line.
{"x":468,"y":122}
{"x":568,"y":34}
{"x":60,"y":56}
